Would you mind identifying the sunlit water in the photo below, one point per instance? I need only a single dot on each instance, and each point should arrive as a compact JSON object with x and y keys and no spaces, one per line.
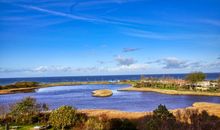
{"x":81,"y":98}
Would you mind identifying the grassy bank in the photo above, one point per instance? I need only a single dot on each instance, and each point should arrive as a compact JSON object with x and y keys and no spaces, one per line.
{"x":17,"y":90}
{"x":211,"y":108}
{"x":172,"y":92}
{"x":114,"y":113}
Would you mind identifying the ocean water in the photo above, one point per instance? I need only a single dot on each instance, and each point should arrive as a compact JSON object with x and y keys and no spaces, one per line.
{"x":80,"y":96}
{"x":4,"y":81}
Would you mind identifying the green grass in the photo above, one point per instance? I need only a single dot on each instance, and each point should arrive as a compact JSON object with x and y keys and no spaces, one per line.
{"x":27,"y":127}
{"x":21,"y":127}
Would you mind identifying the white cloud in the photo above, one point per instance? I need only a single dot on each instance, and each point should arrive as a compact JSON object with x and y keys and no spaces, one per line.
{"x":174,"y":63}
{"x":124,"y":66}
{"x":123,"y":61}
{"x":131,"y":68}
{"x":52,"y":69}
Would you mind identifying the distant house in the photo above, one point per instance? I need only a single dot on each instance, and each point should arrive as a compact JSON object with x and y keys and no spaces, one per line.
{"x":173,"y":81}
{"x":203,"y":83}
{"x":207,"y":84}
{"x":114,"y":81}
{"x":202,"y":88}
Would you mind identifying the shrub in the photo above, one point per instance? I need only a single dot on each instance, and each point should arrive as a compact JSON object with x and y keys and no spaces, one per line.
{"x":81,"y":118}
{"x":3,"y":110}
{"x":21,"y":85}
{"x":94,"y":124}
{"x":65,"y":116}
{"x":122,"y":124}
{"x":203,"y":121}
{"x":26,"y":110}
{"x":26,"y":84}
{"x":9,"y":86}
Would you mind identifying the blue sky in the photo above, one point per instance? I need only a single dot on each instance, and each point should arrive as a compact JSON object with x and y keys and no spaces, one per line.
{"x":108,"y":37}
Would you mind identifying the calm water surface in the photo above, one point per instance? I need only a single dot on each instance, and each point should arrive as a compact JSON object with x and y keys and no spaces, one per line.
{"x":80,"y":97}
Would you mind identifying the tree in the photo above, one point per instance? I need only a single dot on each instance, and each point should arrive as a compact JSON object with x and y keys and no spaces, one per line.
{"x":24,"y":111}
{"x":63,"y":117}
{"x":195,"y":77}
{"x":162,"y":118}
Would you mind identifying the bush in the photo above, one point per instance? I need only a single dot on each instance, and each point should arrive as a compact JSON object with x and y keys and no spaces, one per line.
{"x":121,"y":124}
{"x":26,"y":84}
{"x":203,"y":121}
{"x":62,"y":117}
{"x":156,"y":84}
{"x":26,"y":110}
{"x":21,"y":85}
{"x":3,"y":110}
{"x":94,"y":124}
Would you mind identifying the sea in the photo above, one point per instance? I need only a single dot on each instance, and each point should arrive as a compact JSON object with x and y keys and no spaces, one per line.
{"x":5,"y":81}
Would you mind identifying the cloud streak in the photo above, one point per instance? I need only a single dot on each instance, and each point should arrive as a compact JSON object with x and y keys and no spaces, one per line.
{"x":70,"y":15}
{"x":213,"y":22}
{"x":148,"y":34}
{"x":103,"y":2}
{"x":55,"y":12}
{"x":131,"y":22}
{"x":130,"y":49}
{"x":168,"y":36}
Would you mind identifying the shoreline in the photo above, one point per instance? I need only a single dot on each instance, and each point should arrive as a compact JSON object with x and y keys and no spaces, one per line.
{"x":32,"y":89}
{"x":17,"y":90}
{"x":171,"y":92}
{"x":211,"y":108}
{"x":130,"y":88}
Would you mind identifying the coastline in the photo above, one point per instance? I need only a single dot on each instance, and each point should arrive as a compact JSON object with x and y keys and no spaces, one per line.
{"x":171,"y":92}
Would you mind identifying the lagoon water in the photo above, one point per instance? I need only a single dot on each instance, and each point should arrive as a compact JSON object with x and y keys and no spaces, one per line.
{"x":80,"y":97}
